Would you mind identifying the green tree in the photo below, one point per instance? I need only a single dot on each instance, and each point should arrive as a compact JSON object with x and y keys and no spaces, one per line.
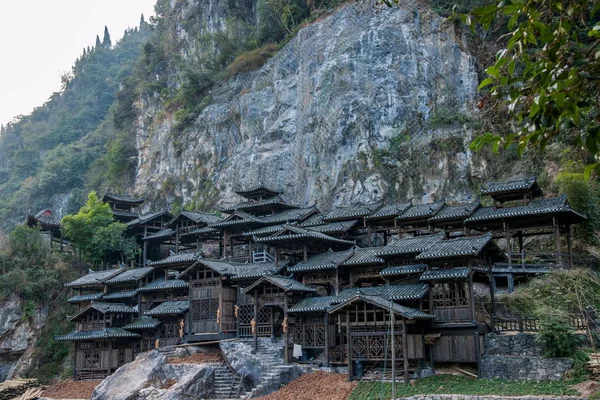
{"x":98,"y":42}
{"x":548,"y":74}
{"x":106,"y":42}
{"x":94,"y":231}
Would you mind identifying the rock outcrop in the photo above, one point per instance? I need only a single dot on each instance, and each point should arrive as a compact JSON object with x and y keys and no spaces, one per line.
{"x":320,"y":117}
{"x":150,"y":377}
{"x":18,"y":332}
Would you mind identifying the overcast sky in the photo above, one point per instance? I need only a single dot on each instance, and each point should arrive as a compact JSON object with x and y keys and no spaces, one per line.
{"x":41,"y":38}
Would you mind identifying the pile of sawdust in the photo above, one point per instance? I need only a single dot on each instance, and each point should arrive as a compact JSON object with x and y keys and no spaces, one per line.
{"x":71,"y":389}
{"x":210,"y":357}
{"x":587,"y":388}
{"x":314,"y":386}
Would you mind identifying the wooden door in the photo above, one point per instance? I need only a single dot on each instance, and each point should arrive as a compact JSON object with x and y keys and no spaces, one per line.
{"x":204,"y":302}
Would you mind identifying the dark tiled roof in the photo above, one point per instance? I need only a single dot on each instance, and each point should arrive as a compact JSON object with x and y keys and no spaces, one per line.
{"x":354,"y":211}
{"x":446,"y":274}
{"x":249,"y":205}
{"x":322,"y":261}
{"x":119,"y":198}
{"x":47,"y":217}
{"x":268,"y":230}
{"x":508,"y":186}
{"x":202,"y":231}
{"x":85,"y":297}
{"x":121,"y":295}
{"x":335,"y":227}
{"x":128,"y":214}
{"x":392,"y":210}
{"x":421,"y":211}
{"x":403,"y":270}
{"x":459,"y":247}
{"x":285,"y":283}
{"x":179,"y":258}
{"x":406,"y":312}
{"x":314,"y":220}
{"x":410,"y":245}
{"x":296,"y":214}
{"x":412,"y":291}
{"x":144,"y":322}
{"x":163,"y":233}
{"x":535,"y":207}
{"x":237,"y":218}
{"x":149,"y":217}
{"x":298,"y":233}
{"x":94,"y":278}
{"x":130,"y":275}
{"x":170,"y":308}
{"x":457,"y":211}
{"x":312,"y":304}
{"x":106,"y":308}
{"x":162,"y":284}
{"x":259,"y":189}
{"x":201,"y":217}
{"x":106,"y":333}
{"x":364,"y":256}
{"x":239,"y":270}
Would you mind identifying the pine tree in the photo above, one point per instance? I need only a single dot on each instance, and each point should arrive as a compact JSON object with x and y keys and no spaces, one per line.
{"x":142,"y":20}
{"x":98,"y":43}
{"x":2,"y":130}
{"x":106,"y":42}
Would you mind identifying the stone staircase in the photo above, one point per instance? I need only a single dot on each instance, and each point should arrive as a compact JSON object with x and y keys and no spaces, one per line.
{"x":273,"y":367}
{"x":227,"y":385}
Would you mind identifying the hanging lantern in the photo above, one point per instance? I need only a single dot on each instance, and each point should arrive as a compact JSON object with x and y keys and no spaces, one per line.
{"x":284,"y":324}
{"x":253,"y":325}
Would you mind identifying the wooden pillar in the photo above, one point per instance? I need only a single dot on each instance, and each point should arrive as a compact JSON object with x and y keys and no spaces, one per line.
{"x":472,"y":298}
{"x":569,"y":246}
{"x":493,"y":300}
{"x":273,"y":322}
{"x":255,"y":335}
{"x":557,"y":233}
{"x":337,"y":282}
{"x":326,"y":339}
{"x":404,"y":350}
{"x":250,"y":250}
{"x":109,"y":355}
{"x":177,"y":240}
{"x":508,"y":244}
{"x":369,"y":234}
{"x":75,"y":361}
{"x":305,"y":253}
{"x":349,"y":346}
{"x":478,"y":351}
{"x":511,"y":283}
{"x":286,"y":348}
{"x":276,"y":257}
{"x":145,"y":252}
{"x":393,"y":322}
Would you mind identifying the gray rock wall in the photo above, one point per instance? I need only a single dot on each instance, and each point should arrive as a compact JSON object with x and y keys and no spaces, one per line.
{"x":316,"y":118}
{"x":519,"y":357}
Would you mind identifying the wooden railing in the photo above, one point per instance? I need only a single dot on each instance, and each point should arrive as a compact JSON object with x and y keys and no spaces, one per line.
{"x":529,"y":259}
{"x":526,"y":324}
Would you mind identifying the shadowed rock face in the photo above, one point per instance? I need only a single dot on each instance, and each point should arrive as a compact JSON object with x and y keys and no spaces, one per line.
{"x":147,"y":377}
{"x":312,"y":119}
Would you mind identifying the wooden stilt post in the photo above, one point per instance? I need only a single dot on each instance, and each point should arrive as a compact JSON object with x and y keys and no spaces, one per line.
{"x":569,"y":246}
{"x":478,"y":350}
{"x":255,"y":334}
{"x":472,"y":298}
{"x":349,"y":346}
{"x":557,"y":233}
{"x":286,"y":347}
{"x":326,"y":339}
{"x":393,"y":323}
{"x":405,"y":350}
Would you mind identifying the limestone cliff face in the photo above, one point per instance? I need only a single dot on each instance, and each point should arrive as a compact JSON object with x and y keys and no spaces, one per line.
{"x":18,"y":333}
{"x":320,"y":117}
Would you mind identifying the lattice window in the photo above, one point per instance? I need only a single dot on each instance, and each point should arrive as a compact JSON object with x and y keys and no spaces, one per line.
{"x":170,"y":329}
{"x":204,"y":309}
{"x":245,"y":314}
{"x":264,"y":315}
{"x":450,"y":295}
{"x":91,"y":360}
{"x":86,"y":345}
{"x":375,"y":347}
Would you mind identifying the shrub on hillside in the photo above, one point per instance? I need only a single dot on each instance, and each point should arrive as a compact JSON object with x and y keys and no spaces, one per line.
{"x":252,"y":60}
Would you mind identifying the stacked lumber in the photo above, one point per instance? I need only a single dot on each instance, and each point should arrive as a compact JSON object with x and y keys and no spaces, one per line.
{"x":594,"y":366}
{"x":16,"y":388}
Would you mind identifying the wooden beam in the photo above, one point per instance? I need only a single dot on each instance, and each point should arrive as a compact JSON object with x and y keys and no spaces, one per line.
{"x":349,"y":345}
{"x":393,"y":322}
{"x":286,"y":350}
{"x":405,"y":350}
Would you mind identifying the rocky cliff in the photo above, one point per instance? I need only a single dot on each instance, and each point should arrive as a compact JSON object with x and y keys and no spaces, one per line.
{"x":18,"y":332}
{"x":367,"y":103}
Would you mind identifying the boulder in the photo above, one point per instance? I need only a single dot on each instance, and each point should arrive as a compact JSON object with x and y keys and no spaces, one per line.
{"x":243,"y":361}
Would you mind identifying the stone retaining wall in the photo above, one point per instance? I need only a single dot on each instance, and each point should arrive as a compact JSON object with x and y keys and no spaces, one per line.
{"x":519,"y":357}
{"x":488,"y":397}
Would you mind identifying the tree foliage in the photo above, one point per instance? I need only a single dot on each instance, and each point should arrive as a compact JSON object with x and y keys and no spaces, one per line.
{"x":548,"y":74}
{"x":95,"y":233}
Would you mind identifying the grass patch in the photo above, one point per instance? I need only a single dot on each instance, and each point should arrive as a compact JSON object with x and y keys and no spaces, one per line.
{"x":452,"y":384}
{"x":252,"y":60}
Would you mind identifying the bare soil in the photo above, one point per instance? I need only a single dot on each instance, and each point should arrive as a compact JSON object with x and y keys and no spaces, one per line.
{"x":210,"y":357}
{"x":313,"y":386}
{"x":587,"y":388}
{"x":71,"y":389}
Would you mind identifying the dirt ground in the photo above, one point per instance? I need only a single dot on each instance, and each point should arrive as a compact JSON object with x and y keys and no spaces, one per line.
{"x":210,"y":357}
{"x":313,"y":386}
{"x":71,"y":389}
{"x":587,"y":388}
